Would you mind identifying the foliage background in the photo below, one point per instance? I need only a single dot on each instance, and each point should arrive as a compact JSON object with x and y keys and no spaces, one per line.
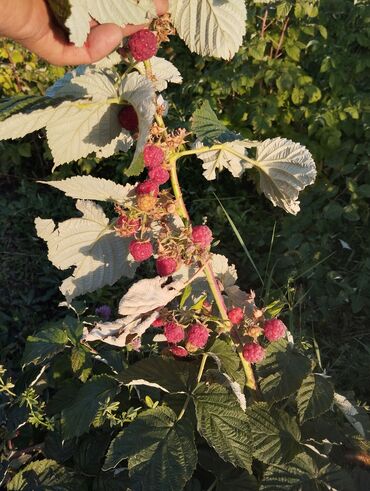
{"x":302,"y":73}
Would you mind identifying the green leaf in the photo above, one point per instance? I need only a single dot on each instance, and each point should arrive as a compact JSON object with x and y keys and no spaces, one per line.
{"x":282,"y":371}
{"x":223,"y":424}
{"x":229,"y":360}
{"x":276,"y":435}
{"x":314,"y":397}
{"x":22,"y":103}
{"x":77,"y":417}
{"x":207,"y":126}
{"x":236,"y":480}
{"x":44,"y":345}
{"x":81,"y":363}
{"x":161,"y":451}
{"x":45,"y":475}
{"x":170,"y":375}
{"x":303,"y":473}
{"x":210,"y":28}
{"x":136,"y":167}
{"x":293,"y":52}
{"x":100,"y":256}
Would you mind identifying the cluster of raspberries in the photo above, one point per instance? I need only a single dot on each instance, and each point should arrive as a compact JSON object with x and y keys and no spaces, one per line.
{"x":195,"y":336}
{"x":273,"y":330}
{"x":142,"y":46}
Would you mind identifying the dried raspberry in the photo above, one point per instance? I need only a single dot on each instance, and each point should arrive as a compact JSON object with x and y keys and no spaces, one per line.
{"x":202,"y":236}
{"x":148,"y":187}
{"x":274,"y":329}
{"x":166,"y":265}
{"x":179,"y":351}
{"x":127,"y":227}
{"x":158,"y":322}
{"x":153,"y":156}
{"x":236,"y":315}
{"x":128,"y":119}
{"x":159,"y":175}
{"x":174,"y":332}
{"x":140,"y":251}
{"x":143,"y":45}
{"x":197,"y":337}
{"x":253,"y":352}
{"x":146,"y":202}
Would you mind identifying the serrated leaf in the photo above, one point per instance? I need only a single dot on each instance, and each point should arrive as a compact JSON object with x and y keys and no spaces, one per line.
{"x":120,"y":332}
{"x":170,"y":375}
{"x":139,"y":92}
{"x":17,"y":104}
{"x":100,"y":256}
{"x":163,"y":72}
{"x":78,"y":22}
{"x":230,"y":156}
{"x":228,"y":360}
{"x":314,"y":397}
{"x":223,"y":424}
{"x":147,"y":295}
{"x":275,"y":434}
{"x":210,"y":28}
{"x":356,"y":415}
{"x":163,"y":457}
{"x":93,"y":188}
{"x":207,"y":126}
{"x":45,"y":475}
{"x":282,"y":371}
{"x":44,"y":345}
{"x":304,"y":473}
{"x":285,"y":168}
{"x":236,"y":480}
{"x":78,"y":416}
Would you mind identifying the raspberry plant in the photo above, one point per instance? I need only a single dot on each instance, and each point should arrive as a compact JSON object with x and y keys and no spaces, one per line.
{"x":193,"y":385}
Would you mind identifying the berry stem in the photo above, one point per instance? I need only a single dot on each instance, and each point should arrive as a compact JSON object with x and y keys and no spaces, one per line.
{"x":199,"y":377}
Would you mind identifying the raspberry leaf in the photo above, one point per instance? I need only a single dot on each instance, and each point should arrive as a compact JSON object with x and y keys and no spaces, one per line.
{"x":227,"y":360}
{"x":223,"y":424}
{"x":306,"y":472}
{"x":93,"y":188}
{"x":276,"y":434}
{"x":285,"y":168}
{"x":211,"y":28}
{"x":208,"y":127}
{"x":163,"y":457}
{"x":164,"y":72}
{"x":44,"y":345}
{"x":314,"y":397}
{"x":78,"y":22}
{"x":100,"y":256}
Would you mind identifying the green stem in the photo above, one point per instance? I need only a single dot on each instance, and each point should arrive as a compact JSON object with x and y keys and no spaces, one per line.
{"x":214,"y":148}
{"x":199,"y":377}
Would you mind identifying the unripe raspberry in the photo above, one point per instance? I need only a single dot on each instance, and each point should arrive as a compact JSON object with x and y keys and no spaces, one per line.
{"x":274,"y":329}
{"x":128,"y":119}
{"x":179,"y":351}
{"x":202,"y":236}
{"x":253,"y":353}
{"x":140,"y":251}
{"x":143,"y":45}
{"x":146,"y":202}
{"x":197,"y":337}
{"x":153,"y":156}
{"x":236,"y":315}
{"x":174,"y":332}
{"x":147,"y":187}
{"x":127,"y":227}
{"x":159,"y":175}
{"x":166,"y":265}
{"x":158,"y":322}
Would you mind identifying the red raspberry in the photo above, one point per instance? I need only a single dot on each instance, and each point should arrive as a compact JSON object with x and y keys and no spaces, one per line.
{"x":274,"y":329}
{"x":148,"y":187}
{"x":153,"y":156}
{"x":140,"y":251}
{"x":253,"y":352}
{"x":202,"y":236}
{"x":143,"y":45}
{"x":179,"y":351}
{"x":158,"y":322}
{"x":235,"y":315}
{"x":166,"y":265}
{"x":197,"y":337}
{"x":128,"y":119}
{"x":174,"y":332}
{"x":159,"y":175}
{"x":127,"y":227}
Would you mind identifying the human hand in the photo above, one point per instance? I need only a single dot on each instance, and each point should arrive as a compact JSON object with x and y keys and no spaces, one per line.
{"x":32,"y":24}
